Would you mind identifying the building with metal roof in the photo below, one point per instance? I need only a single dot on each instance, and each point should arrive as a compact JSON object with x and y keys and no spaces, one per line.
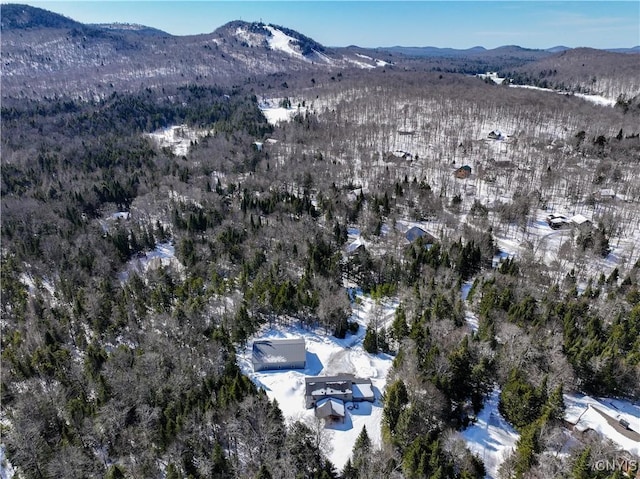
{"x":270,"y":354}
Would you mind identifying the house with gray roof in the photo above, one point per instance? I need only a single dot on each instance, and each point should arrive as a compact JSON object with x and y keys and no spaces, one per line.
{"x":270,"y":354}
{"x":345,"y":387}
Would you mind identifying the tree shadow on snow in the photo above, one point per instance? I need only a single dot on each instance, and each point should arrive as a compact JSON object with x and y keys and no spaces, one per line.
{"x":260,"y":385}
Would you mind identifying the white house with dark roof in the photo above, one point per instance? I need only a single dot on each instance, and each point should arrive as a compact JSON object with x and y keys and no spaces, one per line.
{"x":269,"y":354}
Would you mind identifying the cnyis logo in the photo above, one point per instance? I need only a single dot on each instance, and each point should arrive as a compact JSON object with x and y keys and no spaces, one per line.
{"x":627,"y":464}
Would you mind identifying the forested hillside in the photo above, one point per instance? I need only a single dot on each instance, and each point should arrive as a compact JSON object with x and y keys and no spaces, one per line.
{"x":134,"y":272}
{"x":614,"y":75}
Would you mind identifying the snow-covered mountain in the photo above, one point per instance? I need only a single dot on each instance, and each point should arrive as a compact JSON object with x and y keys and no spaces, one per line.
{"x":44,"y":53}
{"x":50,"y":54}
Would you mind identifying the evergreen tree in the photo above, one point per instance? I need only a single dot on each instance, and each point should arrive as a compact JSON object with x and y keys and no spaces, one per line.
{"x":362,"y":450}
{"x":526,"y":449}
{"x":554,"y":408}
{"x":395,"y":400}
{"x":521,"y":403}
{"x":581,"y":467}
{"x":349,"y":471}
{"x":220,"y":467}
{"x":370,"y":342}
{"x":399,"y":328}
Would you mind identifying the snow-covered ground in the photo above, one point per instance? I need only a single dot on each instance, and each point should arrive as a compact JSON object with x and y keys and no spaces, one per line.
{"x":491,"y":437}
{"x":282,"y":42}
{"x":591,"y":413}
{"x":178,"y":138}
{"x":6,"y":469}
{"x":42,"y":284}
{"x":328,"y":356}
{"x":274,"y":113}
{"x":163,"y":255}
{"x":106,"y":222}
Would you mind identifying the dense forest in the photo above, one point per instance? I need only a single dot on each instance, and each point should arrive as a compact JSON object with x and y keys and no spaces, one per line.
{"x":109,"y":371}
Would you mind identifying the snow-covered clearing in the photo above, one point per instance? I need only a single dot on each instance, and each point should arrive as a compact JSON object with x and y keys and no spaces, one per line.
{"x":491,"y":437}
{"x":546,"y":244}
{"x":378,"y":63}
{"x":493,"y":76}
{"x":163,"y":255}
{"x":178,"y":138}
{"x":326,"y":356}
{"x":274,"y":113}
{"x":364,"y":66}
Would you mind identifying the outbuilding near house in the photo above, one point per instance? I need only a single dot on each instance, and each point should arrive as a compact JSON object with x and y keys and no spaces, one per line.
{"x":270,"y":354}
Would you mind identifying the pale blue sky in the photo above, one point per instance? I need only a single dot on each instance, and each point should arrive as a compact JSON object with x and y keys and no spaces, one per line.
{"x":457,"y":24}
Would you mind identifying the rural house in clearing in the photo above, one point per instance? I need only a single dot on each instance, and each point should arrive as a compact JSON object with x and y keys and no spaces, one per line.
{"x":268,"y":354}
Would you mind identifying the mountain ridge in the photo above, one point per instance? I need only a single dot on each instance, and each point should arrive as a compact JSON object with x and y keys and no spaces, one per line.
{"x":17,"y":16}
{"x":21,"y":16}
{"x":45,"y":53}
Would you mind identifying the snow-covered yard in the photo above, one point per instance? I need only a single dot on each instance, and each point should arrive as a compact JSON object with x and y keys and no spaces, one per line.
{"x":327,"y":355}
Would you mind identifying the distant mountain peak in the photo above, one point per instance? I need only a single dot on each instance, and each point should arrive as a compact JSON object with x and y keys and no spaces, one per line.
{"x":20,"y":17}
{"x":274,"y":37}
{"x":558,"y":49}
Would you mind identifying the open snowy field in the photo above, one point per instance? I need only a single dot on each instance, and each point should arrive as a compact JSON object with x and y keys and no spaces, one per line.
{"x":326,"y":356}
